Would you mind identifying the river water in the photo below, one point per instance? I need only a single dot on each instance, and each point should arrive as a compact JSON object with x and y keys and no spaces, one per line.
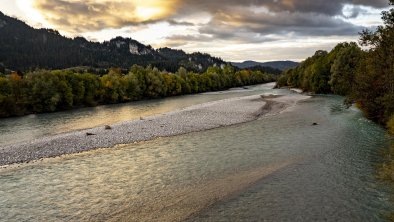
{"x":277,"y":168}
{"x":30,"y":127}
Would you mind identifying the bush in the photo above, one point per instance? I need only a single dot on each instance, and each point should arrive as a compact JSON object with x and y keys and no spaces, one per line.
{"x":390,"y":125}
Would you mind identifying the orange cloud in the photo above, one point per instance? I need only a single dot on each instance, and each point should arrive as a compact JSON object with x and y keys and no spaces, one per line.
{"x":92,"y":15}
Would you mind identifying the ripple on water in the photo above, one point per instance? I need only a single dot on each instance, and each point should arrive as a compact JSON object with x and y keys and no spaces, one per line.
{"x":35,"y":126}
{"x":278,"y":168}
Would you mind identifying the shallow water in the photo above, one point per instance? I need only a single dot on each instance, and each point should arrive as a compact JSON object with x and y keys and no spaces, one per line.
{"x":278,"y":168}
{"x":35,"y":126}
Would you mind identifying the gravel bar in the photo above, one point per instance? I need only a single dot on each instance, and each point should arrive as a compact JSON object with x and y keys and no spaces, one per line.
{"x":192,"y":119}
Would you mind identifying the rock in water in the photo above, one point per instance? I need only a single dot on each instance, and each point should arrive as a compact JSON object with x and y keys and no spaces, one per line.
{"x":107,"y":127}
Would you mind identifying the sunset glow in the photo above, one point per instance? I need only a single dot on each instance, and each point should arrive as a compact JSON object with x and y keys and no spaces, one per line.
{"x":251,"y":28}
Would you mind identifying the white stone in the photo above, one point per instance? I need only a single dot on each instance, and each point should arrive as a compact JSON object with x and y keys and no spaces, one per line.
{"x":133,"y":49}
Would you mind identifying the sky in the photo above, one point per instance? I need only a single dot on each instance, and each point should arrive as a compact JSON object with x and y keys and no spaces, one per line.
{"x":235,"y":30}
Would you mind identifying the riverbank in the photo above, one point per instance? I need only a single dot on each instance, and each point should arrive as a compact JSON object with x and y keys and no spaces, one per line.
{"x":244,"y":172}
{"x":192,"y":119}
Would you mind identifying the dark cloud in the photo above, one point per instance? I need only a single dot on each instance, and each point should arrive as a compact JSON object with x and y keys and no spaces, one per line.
{"x":241,"y":26}
{"x":96,"y":15}
{"x":250,"y":21}
{"x":174,"y":22}
{"x":329,"y":7}
{"x":372,"y":3}
{"x":353,"y":11}
{"x":216,"y":35}
{"x":233,"y":23}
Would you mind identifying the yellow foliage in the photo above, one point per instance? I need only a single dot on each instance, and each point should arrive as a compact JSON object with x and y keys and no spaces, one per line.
{"x":386,"y":170}
{"x":390,"y":125}
{"x":15,"y":77}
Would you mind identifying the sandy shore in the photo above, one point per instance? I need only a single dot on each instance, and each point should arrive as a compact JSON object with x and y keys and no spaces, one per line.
{"x":195,"y":118}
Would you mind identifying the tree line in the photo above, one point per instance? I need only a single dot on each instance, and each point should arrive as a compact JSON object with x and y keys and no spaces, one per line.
{"x":365,"y":77}
{"x":48,"y":91}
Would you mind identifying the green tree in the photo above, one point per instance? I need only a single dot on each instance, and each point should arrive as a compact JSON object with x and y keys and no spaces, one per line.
{"x":182,"y":72}
{"x":91,"y":85}
{"x":76,"y":82}
{"x":377,"y":75}
{"x":133,"y":89}
{"x":45,"y":94}
{"x":114,"y":87}
{"x":344,"y":68}
{"x":140,"y":73}
{"x":19,"y":93}
{"x":154,"y":83}
{"x":6,"y":100}
{"x":193,"y":82}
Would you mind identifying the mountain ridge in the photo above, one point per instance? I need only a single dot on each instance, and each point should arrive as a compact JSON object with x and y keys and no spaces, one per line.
{"x":24,"y":48}
{"x":281,"y":65}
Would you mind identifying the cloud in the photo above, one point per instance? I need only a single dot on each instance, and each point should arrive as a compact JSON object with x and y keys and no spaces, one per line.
{"x":226,"y":25}
{"x":375,"y":3}
{"x":351,"y":11}
{"x":187,"y":38}
{"x":183,"y":23}
{"x":203,"y":23}
{"x":330,"y":7}
{"x":181,"y":40}
{"x":94,"y":15}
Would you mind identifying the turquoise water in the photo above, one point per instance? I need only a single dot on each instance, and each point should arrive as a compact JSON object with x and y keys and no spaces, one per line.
{"x":277,"y":168}
{"x":335,"y":179}
{"x":35,"y":126}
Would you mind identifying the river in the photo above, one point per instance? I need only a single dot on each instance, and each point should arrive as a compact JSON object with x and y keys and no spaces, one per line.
{"x":277,"y":168}
{"x":33,"y":126}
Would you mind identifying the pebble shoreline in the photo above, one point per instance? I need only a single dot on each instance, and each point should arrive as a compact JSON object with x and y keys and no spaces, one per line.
{"x":192,"y":119}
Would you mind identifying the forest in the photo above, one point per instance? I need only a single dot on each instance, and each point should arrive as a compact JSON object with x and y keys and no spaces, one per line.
{"x":364,"y":75}
{"x":48,"y":91}
{"x":24,"y":48}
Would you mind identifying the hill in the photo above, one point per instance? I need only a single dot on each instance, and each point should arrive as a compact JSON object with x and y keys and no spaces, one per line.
{"x":281,"y":65}
{"x":264,"y":69}
{"x":23,"y":47}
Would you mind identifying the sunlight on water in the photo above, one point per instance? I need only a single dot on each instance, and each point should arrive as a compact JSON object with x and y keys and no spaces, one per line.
{"x":35,"y":126}
{"x":278,"y":168}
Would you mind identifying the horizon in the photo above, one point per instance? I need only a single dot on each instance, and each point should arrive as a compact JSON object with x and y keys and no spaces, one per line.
{"x":261,"y":31}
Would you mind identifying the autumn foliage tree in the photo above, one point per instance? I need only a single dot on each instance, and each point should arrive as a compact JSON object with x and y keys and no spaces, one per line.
{"x":365,"y":77}
{"x":376,"y":77}
{"x":48,"y":91}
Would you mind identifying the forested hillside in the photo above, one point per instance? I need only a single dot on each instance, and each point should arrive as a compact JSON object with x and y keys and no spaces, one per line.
{"x":24,"y":48}
{"x":52,"y":72}
{"x":365,"y":77}
{"x":265,"y":69}
{"x":279,"y":65}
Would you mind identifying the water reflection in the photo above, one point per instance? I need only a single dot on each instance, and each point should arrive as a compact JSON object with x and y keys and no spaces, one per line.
{"x":35,"y":126}
{"x":278,"y":168}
